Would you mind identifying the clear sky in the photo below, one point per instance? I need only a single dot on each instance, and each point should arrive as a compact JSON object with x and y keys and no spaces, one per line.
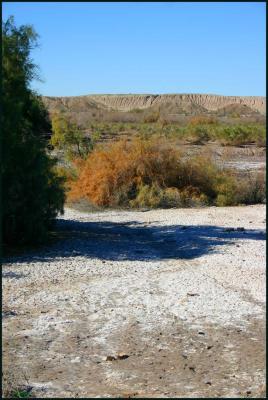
{"x":86,"y":48}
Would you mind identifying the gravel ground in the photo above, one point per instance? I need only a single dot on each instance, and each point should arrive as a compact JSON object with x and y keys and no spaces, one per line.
{"x":174,"y":298}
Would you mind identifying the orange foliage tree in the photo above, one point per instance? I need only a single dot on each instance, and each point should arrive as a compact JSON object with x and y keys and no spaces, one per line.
{"x":112,"y":176}
{"x":151,"y":173}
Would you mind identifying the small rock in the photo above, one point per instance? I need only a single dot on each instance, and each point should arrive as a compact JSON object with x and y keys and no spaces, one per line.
{"x":201,"y":333}
{"x":208,"y":383}
{"x":122,"y":356}
{"x":192,"y":369}
{"x":128,"y":395}
{"x":9,"y":313}
{"x":193,"y":294}
{"x":110,"y":358}
{"x":209,"y":347}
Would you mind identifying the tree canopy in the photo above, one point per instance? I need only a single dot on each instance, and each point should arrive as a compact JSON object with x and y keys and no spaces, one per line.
{"x":32,"y":192}
{"x":67,"y":136}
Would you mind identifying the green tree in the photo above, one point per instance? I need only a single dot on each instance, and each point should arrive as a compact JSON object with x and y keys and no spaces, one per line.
{"x":32,"y":192}
{"x":67,"y":136}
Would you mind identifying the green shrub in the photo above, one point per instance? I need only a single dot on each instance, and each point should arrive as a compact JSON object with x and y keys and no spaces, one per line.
{"x":153,"y":117}
{"x":32,"y":191}
{"x":192,"y":197}
{"x":252,"y":189}
{"x":148,"y":196}
{"x":154,"y":196}
{"x":244,"y":190}
{"x":170,"y":198}
{"x":240,"y":134}
{"x":67,"y":136}
{"x":199,"y":134}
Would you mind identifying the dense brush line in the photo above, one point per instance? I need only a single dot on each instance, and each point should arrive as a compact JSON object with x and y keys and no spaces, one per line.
{"x":152,"y":173}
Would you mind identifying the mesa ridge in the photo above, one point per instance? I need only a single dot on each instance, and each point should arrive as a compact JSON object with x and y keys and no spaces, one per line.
{"x":128,"y":102}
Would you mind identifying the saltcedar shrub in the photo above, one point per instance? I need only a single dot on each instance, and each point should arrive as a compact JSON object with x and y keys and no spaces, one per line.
{"x":32,"y":191}
{"x":150,"y":173}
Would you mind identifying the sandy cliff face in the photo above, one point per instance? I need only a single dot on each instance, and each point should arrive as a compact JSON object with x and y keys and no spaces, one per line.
{"x":213,"y":102}
{"x":129,"y":102}
{"x":210,"y":102}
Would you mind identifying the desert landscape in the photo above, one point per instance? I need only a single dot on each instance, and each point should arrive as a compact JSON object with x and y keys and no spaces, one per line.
{"x":115,"y":117}
{"x":141,"y":304}
{"x":134,"y":216}
{"x":144,"y":303}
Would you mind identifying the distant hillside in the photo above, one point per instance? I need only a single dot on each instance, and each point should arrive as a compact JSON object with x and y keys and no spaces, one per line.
{"x":137,"y":107}
{"x":175,"y":102}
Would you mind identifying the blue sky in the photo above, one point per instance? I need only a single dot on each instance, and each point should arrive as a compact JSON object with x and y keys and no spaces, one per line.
{"x":86,"y":48}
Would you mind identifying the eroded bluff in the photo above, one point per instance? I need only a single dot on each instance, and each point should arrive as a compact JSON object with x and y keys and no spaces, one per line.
{"x":130,"y":102}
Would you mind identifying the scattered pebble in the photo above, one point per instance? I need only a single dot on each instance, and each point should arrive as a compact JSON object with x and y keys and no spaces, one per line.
{"x":110,"y":358}
{"x":122,"y":356}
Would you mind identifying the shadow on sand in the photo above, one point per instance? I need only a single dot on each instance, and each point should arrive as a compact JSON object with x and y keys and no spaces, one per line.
{"x":134,"y":242}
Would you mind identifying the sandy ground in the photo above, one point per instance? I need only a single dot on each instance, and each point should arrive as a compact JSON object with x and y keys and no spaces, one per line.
{"x":173,"y":298}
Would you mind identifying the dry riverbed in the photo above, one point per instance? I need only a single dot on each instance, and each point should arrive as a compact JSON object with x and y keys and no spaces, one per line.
{"x":163,"y":303}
